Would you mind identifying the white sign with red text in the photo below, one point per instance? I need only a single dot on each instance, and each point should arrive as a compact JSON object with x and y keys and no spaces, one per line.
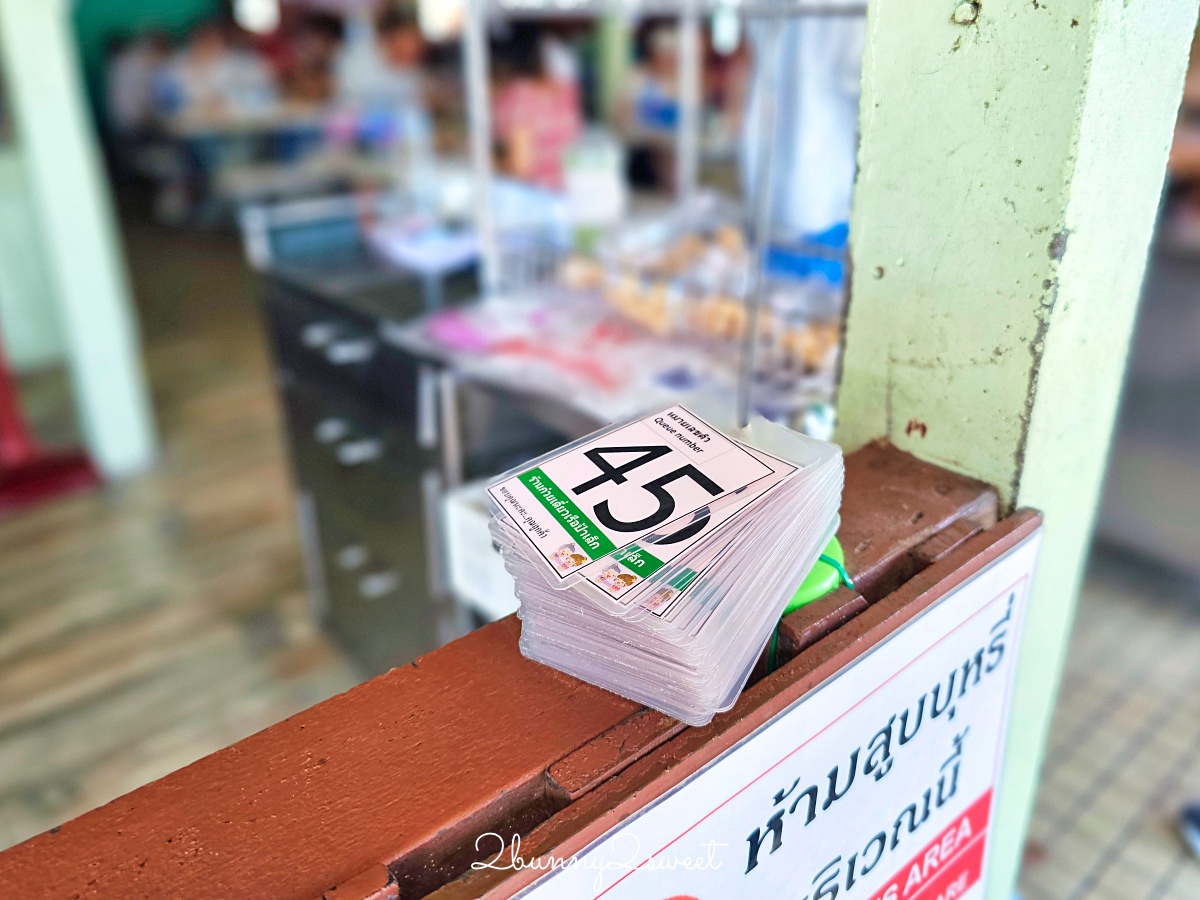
{"x":878,"y":785}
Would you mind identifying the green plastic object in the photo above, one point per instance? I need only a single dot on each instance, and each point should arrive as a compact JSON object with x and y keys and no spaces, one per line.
{"x":820,"y":581}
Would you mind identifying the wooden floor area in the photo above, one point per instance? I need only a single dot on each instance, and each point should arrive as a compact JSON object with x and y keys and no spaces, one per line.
{"x":155,"y":621}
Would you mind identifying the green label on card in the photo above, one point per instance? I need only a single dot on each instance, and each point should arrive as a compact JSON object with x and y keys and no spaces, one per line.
{"x":638,"y":560}
{"x":591,"y":539}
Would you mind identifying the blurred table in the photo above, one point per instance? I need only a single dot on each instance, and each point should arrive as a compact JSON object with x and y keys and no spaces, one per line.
{"x":278,"y":152}
{"x":234,"y":122}
{"x":325,"y":171}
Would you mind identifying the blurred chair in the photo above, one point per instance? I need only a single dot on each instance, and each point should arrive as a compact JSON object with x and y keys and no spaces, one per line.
{"x":29,"y":473}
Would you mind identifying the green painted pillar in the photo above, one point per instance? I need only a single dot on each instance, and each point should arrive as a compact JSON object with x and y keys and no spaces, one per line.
{"x":28,"y":312}
{"x":72,"y":206}
{"x":614,"y":46}
{"x":1011,"y":163}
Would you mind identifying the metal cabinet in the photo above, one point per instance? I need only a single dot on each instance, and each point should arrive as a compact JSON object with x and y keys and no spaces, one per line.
{"x":350,"y":407}
{"x":368,"y":493}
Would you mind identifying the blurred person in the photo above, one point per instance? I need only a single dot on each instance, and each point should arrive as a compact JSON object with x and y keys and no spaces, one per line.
{"x":401,"y":42}
{"x":133,"y":66}
{"x":650,"y":97}
{"x":648,"y":107}
{"x":726,"y":80}
{"x":380,"y":85}
{"x":818,"y":80}
{"x":210,"y":84}
{"x":210,"y":77}
{"x":276,"y":47}
{"x":379,"y":66}
{"x":314,"y":49}
{"x":536,"y":106}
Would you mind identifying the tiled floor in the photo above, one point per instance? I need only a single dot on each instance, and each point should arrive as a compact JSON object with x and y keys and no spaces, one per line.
{"x":1124,"y":753}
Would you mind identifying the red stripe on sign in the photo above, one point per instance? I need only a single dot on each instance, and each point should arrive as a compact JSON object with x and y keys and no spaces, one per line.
{"x":954,"y":856}
{"x":958,"y":877}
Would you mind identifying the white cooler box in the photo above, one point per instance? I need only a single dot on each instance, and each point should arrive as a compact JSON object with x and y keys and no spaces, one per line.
{"x":474,"y":568}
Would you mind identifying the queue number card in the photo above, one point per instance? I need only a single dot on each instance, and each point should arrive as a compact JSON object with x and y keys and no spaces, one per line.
{"x":603,"y":495}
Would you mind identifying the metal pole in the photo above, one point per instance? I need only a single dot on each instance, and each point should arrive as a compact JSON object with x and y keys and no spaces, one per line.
{"x":451,"y":429}
{"x":687,"y":139}
{"x":479,"y":123}
{"x":760,"y":225}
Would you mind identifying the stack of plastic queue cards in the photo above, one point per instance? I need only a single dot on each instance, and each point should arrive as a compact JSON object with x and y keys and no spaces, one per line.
{"x":655,"y":558}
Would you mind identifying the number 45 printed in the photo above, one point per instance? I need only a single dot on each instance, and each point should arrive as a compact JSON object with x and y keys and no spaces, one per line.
{"x":603,"y":494}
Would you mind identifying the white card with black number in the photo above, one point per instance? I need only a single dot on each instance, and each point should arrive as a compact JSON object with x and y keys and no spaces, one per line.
{"x":601,"y":495}
{"x":655,"y":557}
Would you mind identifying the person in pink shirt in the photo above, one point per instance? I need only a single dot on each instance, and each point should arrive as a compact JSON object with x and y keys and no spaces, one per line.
{"x":536,"y":112}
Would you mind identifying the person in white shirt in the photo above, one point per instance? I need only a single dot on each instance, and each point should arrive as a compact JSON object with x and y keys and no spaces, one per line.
{"x":130,"y":89}
{"x":209,"y":78}
{"x":819,"y":81}
{"x":379,"y":66}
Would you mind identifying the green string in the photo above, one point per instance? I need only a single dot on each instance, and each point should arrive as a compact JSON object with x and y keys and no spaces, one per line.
{"x":839,"y":568}
{"x":773,"y":649}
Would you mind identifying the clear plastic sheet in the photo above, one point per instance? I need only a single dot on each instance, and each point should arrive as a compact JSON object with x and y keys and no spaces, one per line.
{"x":677,"y":616}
